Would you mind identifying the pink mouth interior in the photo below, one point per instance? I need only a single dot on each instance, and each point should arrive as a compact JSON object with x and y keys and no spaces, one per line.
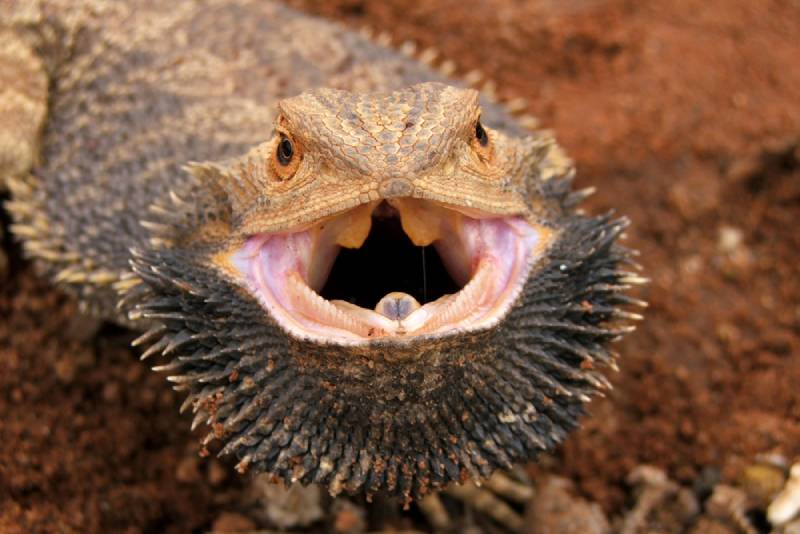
{"x":490,"y":258}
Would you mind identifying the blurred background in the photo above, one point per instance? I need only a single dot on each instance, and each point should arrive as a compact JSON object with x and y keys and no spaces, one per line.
{"x":686,"y":117}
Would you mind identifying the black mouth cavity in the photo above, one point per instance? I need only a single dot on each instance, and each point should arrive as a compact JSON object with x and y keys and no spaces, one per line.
{"x":387,"y":261}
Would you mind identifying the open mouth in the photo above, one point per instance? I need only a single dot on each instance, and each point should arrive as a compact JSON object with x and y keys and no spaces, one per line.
{"x":397,"y":269}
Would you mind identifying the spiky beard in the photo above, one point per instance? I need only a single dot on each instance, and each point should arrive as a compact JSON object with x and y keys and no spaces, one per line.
{"x":404,"y":419}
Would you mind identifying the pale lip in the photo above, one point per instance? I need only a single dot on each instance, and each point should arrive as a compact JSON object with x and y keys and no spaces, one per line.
{"x":490,"y":257}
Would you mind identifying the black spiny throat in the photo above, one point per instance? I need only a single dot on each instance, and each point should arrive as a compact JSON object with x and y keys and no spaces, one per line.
{"x":409,"y":418}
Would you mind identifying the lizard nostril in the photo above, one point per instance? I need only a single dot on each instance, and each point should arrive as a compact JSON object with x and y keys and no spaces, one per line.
{"x":395,"y":187}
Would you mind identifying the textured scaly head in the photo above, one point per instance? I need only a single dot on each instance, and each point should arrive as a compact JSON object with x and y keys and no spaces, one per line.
{"x":411,"y":168}
{"x":387,"y":295}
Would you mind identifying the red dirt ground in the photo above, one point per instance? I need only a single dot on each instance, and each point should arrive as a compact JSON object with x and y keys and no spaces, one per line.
{"x":684,"y":114}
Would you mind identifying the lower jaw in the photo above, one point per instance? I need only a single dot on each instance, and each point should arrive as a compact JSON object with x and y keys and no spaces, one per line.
{"x":490,"y":257}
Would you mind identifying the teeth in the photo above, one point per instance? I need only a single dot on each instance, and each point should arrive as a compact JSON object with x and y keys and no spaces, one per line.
{"x":310,"y":304}
{"x":421,"y":222}
{"x":397,"y":305}
{"x":426,"y":223}
{"x":354,"y":226}
{"x":468,"y":301}
{"x":373,"y":323}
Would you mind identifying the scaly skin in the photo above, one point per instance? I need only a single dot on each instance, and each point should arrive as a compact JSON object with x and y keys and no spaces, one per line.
{"x":105,"y":207}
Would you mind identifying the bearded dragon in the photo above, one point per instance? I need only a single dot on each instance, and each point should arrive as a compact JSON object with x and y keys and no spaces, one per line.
{"x":201,"y":171}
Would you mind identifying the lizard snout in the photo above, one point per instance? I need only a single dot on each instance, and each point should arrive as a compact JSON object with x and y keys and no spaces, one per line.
{"x":395,"y":187}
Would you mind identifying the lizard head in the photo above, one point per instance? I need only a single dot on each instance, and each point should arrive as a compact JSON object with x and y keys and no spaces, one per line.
{"x":414,"y":168}
{"x":319,"y":344}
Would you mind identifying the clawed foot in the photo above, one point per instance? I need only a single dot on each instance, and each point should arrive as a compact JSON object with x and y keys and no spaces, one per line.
{"x":499,"y":498}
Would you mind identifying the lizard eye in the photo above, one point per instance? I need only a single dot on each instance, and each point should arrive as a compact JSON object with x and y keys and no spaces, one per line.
{"x":286,"y":158}
{"x":285,"y":151}
{"x":481,"y":143}
{"x":480,"y":134}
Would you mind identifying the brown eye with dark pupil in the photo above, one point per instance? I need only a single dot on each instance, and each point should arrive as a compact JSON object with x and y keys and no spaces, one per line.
{"x":285,"y":151}
{"x":480,"y":134}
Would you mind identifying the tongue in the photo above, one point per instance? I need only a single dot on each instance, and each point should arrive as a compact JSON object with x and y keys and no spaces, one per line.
{"x":397,"y":305}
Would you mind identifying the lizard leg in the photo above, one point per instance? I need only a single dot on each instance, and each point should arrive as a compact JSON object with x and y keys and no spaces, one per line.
{"x":492,"y":499}
{"x":23,"y":105}
{"x":23,"y":111}
{"x":24,"y":86}
{"x":485,"y":501}
{"x":435,"y":512}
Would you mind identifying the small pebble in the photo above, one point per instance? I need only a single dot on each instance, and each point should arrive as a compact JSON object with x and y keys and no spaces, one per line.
{"x":786,"y":504}
{"x":296,"y":506}
{"x":728,"y":504}
{"x":762,"y":482}
{"x":730,"y":239}
{"x":774,"y":459}
{"x":661,"y":504}
{"x":556,"y":509}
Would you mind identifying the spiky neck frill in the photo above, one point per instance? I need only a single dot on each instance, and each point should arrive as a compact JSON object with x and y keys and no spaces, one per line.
{"x":402,"y":419}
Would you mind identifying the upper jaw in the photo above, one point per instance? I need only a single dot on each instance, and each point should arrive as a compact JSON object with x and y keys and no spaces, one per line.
{"x":322,"y":197}
{"x":488,"y":257}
